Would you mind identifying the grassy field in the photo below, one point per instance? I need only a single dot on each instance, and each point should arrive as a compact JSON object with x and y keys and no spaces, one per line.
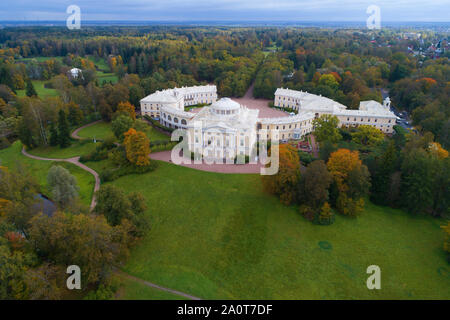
{"x":76,"y":149}
{"x":12,"y":156}
{"x":271,"y":49}
{"x":40,"y":89}
{"x":103,"y":130}
{"x":133,"y":290}
{"x":219,"y":236}
{"x":106,"y":77}
{"x":103,"y":74}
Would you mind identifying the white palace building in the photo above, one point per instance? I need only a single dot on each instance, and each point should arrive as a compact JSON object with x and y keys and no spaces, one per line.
{"x":226,"y":129}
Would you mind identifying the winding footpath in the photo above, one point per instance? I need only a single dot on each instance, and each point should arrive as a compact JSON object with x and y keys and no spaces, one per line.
{"x":75,"y":161}
{"x":152,"y":285}
{"x":75,"y":132}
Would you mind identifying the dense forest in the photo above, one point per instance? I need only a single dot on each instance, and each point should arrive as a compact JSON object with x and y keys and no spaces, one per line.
{"x":40,"y":103}
{"x":345,"y":65}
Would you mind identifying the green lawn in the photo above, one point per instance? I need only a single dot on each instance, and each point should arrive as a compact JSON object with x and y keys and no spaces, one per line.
{"x":99,"y":62}
{"x":133,"y":290}
{"x":103,"y":72}
{"x":104,"y":77}
{"x":77,"y":148}
{"x":103,"y":130}
{"x":219,"y":236}
{"x":40,"y":89}
{"x":12,"y":156}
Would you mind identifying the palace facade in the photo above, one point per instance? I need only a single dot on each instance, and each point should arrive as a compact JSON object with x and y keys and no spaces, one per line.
{"x":225,"y":129}
{"x":177,"y":98}
{"x":369,"y":113}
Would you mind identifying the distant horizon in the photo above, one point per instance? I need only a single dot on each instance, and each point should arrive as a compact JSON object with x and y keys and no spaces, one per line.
{"x":228,"y":10}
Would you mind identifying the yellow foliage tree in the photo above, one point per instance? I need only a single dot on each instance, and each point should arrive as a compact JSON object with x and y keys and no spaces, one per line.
{"x":340,"y":164}
{"x":284,"y":183}
{"x":128,"y":108}
{"x":137,"y":147}
{"x":4,"y":205}
{"x":447,"y":237}
{"x":436,"y":149}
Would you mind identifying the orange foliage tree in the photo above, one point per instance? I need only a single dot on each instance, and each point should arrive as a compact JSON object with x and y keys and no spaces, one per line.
{"x":137,"y":147}
{"x":436,"y":149}
{"x":340,"y":164}
{"x":284,"y":184}
{"x":352,"y":179}
{"x":128,"y":108}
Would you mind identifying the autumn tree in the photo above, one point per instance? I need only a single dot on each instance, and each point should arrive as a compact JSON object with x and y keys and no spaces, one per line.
{"x":75,"y":115}
{"x":120,"y":125}
{"x":284,"y":183}
{"x":352,"y":179}
{"x":326,"y":128}
{"x":326,"y":214}
{"x":367,"y":136}
{"x":18,"y":191}
{"x":126,"y":108}
{"x":84,"y":240}
{"x":117,"y":206}
{"x":446,"y":229}
{"x":316,"y":181}
{"x":30,"y":91}
{"x":137,"y":147}
{"x":63,"y":186}
{"x":436,"y":149}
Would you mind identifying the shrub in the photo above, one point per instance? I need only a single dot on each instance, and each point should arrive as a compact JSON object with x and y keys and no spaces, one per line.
{"x":307,"y":212}
{"x":326,"y":215}
{"x":156,"y":124}
{"x":305,"y":157}
{"x":162,"y":146}
{"x":246,"y":160}
{"x":100,"y":153}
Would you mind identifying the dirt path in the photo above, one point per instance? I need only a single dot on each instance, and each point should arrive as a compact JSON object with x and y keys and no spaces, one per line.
{"x":75,"y":132}
{"x":315,"y":146}
{"x":261,"y":104}
{"x":75,"y":161}
{"x":150,"y":284}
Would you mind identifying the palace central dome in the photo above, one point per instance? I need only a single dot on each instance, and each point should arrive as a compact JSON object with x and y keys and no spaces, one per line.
{"x":225,"y":106}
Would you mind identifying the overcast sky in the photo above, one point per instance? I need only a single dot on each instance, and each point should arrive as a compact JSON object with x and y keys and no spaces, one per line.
{"x":231,"y":10}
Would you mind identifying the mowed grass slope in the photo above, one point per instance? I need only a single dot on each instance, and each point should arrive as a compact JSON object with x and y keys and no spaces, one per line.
{"x":40,"y":90}
{"x":12,"y":157}
{"x":134,"y":290}
{"x":77,"y":148}
{"x":101,"y":130}
{"x":219,"y":236}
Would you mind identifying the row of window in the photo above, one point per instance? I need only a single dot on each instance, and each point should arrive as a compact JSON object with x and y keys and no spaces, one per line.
{"x":194,"y":95}
{"x":290,"y":126}
{"x":368,"y":119}
{"x":288,"y":99}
